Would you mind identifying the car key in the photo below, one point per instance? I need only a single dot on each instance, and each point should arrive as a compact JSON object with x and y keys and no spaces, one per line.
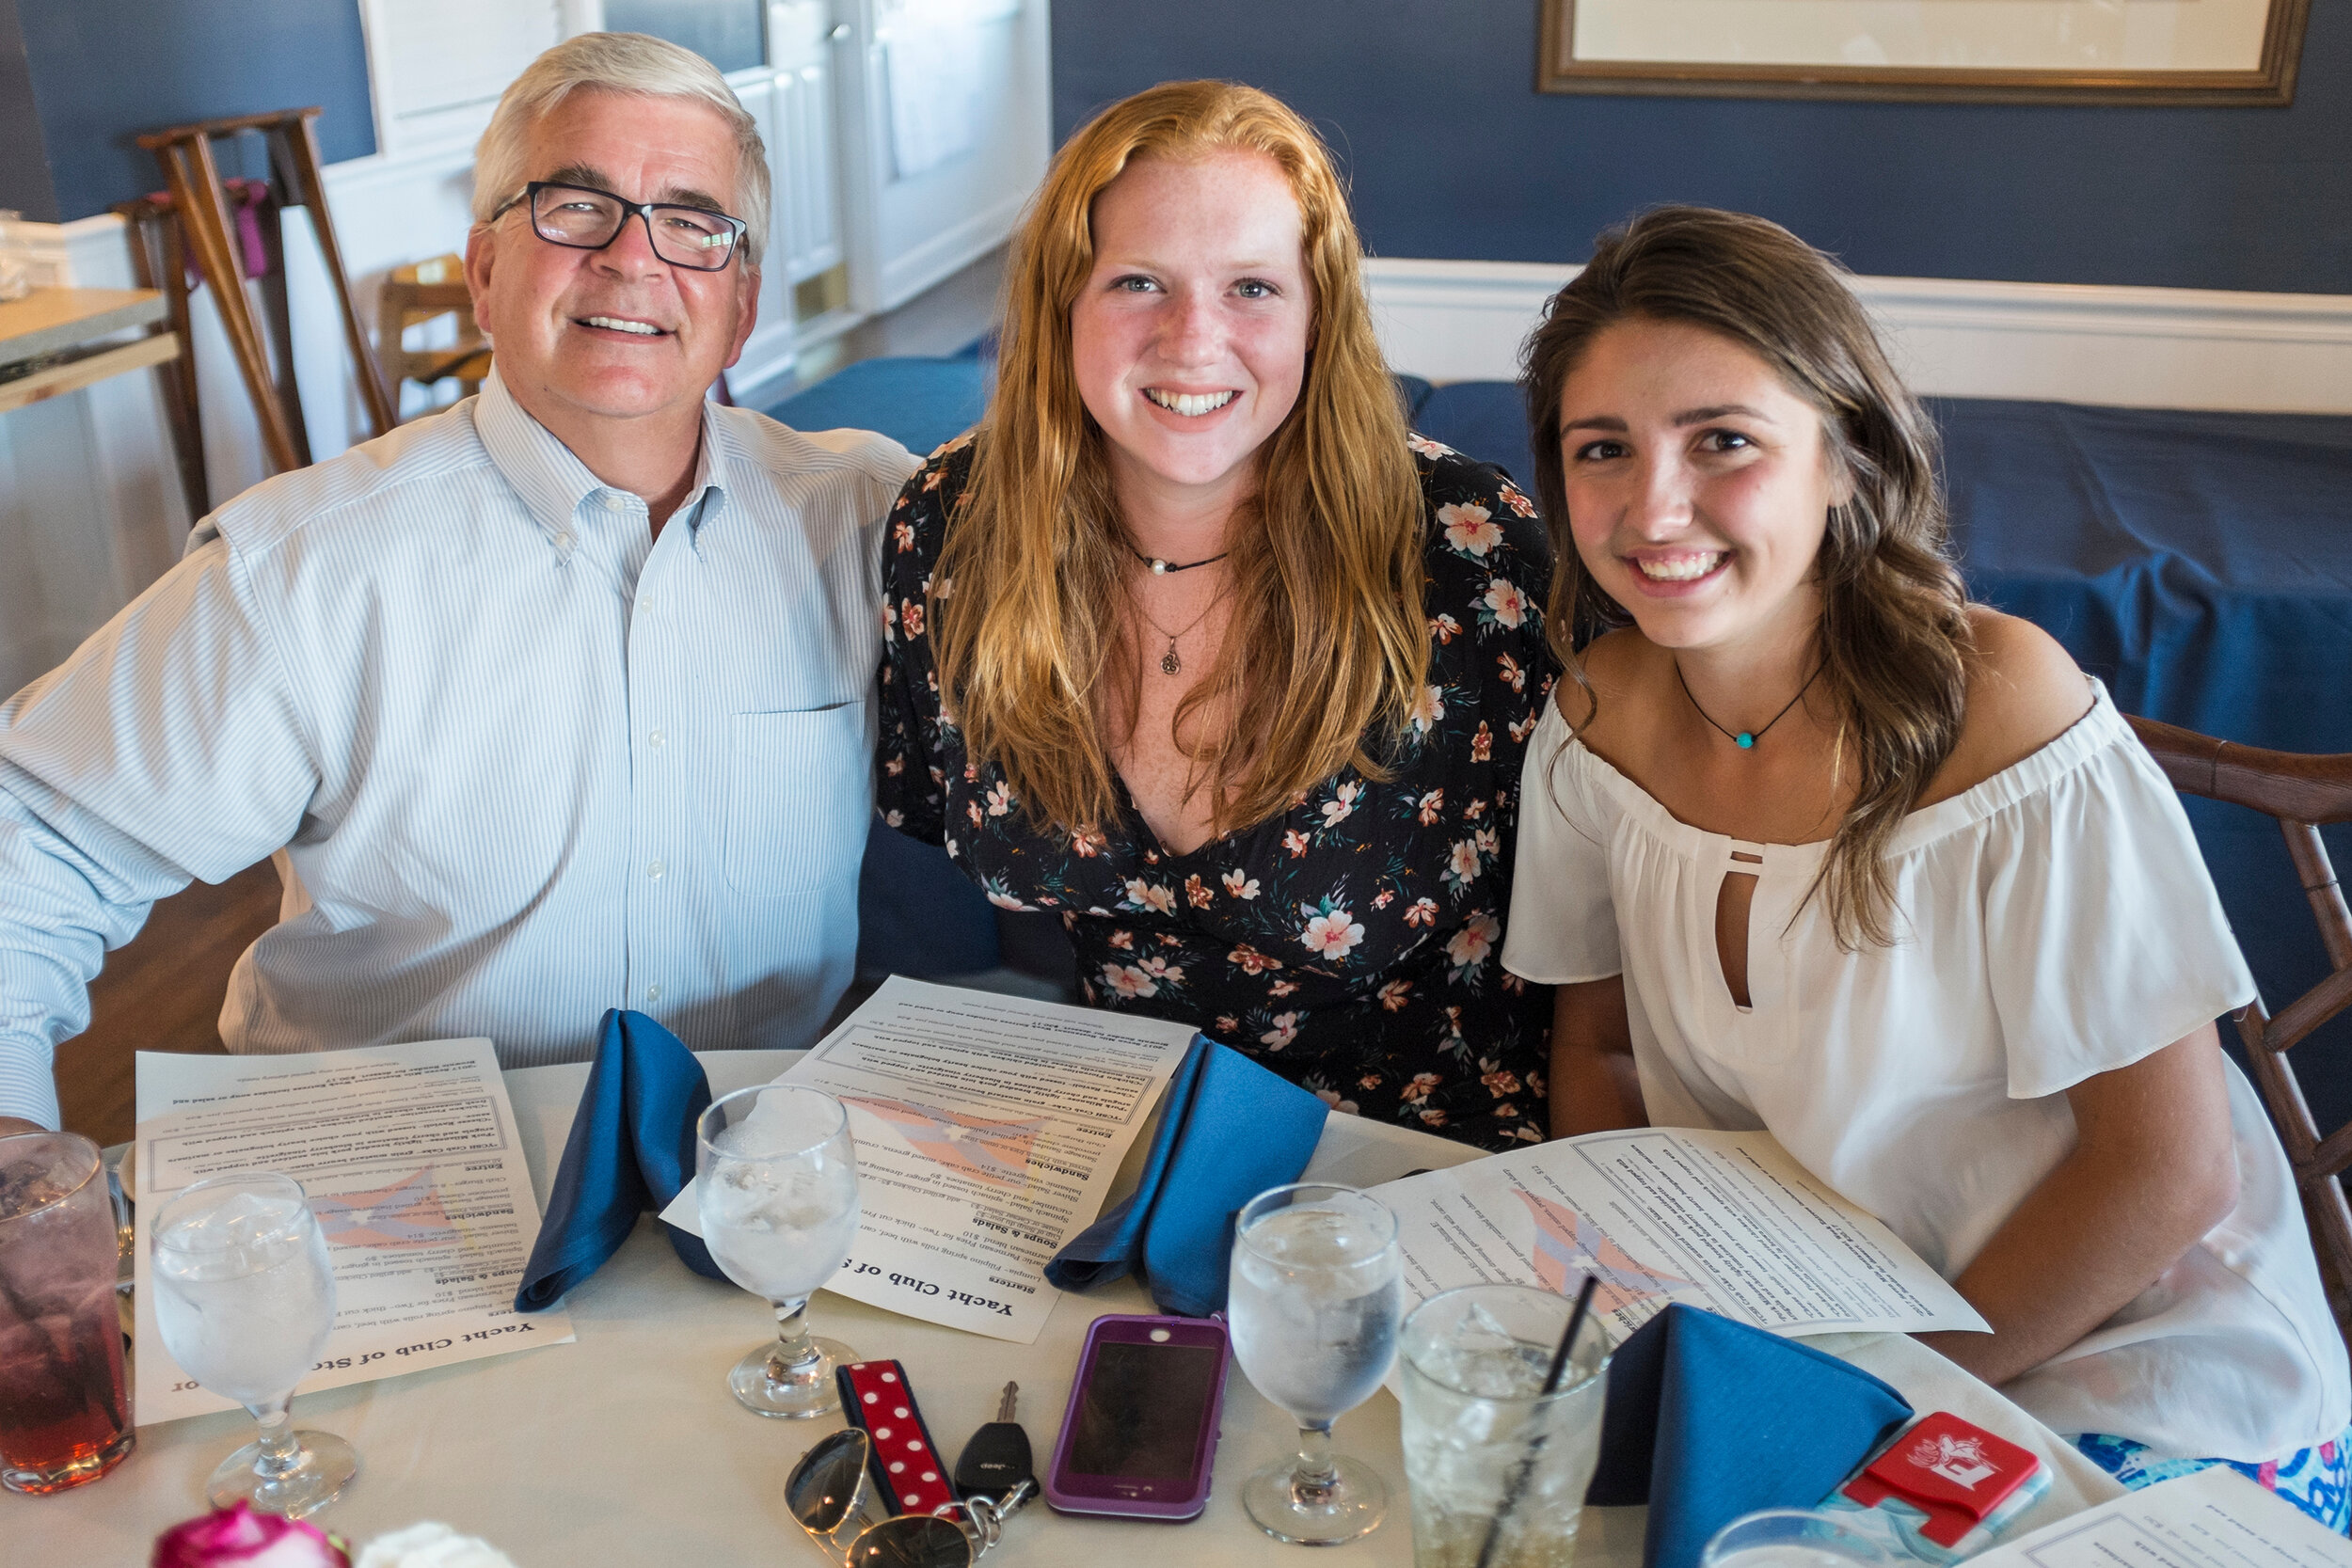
{"x":996,"y":1459}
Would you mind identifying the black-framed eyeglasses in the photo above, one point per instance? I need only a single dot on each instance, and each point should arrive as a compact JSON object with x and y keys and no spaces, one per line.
{"x":586,"y":218}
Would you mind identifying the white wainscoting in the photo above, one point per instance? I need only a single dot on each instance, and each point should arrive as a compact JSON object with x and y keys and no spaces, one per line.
{"x":2064,"y":343}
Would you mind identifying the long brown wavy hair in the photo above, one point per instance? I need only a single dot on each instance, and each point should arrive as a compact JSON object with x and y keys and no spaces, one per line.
{"x":1894,"y":636}
{"x":1326,"y":647}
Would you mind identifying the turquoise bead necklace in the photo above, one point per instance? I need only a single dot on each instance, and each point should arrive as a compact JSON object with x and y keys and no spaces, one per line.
{"x":1746,"y":739}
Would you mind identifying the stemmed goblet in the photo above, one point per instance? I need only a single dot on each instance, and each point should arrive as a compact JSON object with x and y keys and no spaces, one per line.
{"x":244,"y":1301}
{"x":778,"y":1196}
{"x":1314,"y":1300}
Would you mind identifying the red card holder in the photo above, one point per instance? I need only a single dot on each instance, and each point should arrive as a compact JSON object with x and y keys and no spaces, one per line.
{"x":907,"y":1465}
{"x":1956,"y":1473}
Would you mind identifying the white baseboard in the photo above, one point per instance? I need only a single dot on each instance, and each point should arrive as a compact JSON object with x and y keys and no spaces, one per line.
{"x":2064,"y":343}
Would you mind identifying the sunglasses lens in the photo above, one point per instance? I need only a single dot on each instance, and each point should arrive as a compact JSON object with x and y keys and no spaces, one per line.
{"x":823,"y":1486}
{"x":912,"y":1541}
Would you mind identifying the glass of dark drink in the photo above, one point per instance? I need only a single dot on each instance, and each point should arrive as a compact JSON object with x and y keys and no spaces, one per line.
{"x":65,"y":1405}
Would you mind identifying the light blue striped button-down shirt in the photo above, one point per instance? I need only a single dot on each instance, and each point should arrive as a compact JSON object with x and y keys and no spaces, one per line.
{"x":526,"y":762}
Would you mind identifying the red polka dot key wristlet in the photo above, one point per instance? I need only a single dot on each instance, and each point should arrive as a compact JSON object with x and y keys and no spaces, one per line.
{"x":906,"y":1463}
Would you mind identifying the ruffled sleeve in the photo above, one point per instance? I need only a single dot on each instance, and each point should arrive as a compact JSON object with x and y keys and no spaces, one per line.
{"x":1563,"y":928}
{"x":2104,"y":941}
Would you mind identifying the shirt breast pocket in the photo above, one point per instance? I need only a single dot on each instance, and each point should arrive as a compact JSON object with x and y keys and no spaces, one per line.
{"x":800,"y":794}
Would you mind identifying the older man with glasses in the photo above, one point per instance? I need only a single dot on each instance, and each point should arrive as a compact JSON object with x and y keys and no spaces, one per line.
{"x":553,"y":702}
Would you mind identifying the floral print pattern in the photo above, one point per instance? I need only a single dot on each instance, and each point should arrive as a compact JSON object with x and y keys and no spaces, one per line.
{"x":1350,"y":944}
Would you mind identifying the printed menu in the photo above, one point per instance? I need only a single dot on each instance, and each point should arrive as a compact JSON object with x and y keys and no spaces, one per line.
{"x":409,"y":1156}
{"x":2213,"y":1518}
{"x":988,"y":1130}
{"x":1726,"y":1221}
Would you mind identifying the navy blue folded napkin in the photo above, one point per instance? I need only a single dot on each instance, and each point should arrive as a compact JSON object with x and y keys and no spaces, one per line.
{"x":1707,"y":1419}
{"x":1229,"y":1131}
{"x":631,"y":1149}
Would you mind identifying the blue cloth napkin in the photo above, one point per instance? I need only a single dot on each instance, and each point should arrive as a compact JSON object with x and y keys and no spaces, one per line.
{"x":1707,"y":1419}
{"x":631,"y":1149}
{"x":1230,"y":1131}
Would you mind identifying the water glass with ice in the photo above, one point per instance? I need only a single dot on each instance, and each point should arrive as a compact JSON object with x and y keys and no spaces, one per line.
{"x":1480,"y":1430}
{"x":777,"y":1198}
{"x":1792,"y":1538}
{"x":65,"y":1405}
{"x":245,"y":1300}
{"x":1313,"y":1299}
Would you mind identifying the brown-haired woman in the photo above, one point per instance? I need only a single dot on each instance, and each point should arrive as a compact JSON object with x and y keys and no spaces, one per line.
{"x":1813,"y":844}
{"x":1194,"y":645}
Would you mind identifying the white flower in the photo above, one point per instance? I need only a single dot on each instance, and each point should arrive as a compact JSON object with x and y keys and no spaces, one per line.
{"x":1332,"y":934}
{"x":1470,"y":945}
{"x":1241,"y":885}
{"x":431,"y":1546}
{"x":1129,"y":981}
{"x":1341,"y":806}
{"x":1005,"y":900}
{"x":1144,"y":895}
{"x":1427,"y":710}
{"x":1284,"y":1031}
{"x":1469,"y":528}
{"x":1464,"y":863}
{"x":1507,"y":602}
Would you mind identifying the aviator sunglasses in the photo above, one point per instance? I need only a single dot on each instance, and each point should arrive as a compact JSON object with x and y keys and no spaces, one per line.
{"x":826,"y":1493}
{"x":585,"y":218}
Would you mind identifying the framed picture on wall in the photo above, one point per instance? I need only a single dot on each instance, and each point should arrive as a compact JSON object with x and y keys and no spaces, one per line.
{"x":2208,"y":52}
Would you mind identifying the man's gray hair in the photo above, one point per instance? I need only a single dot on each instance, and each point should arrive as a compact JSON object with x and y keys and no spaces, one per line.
{"x":626,"y":63}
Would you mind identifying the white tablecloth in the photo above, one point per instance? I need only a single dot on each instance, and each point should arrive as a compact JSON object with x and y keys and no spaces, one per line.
{"x":626,"y":1448}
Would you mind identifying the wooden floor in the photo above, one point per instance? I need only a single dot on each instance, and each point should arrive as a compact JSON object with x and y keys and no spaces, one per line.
{"x":160,"y":991}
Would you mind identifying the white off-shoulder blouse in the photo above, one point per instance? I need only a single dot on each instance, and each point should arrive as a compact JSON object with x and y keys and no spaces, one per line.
{"x":2054,"y":922}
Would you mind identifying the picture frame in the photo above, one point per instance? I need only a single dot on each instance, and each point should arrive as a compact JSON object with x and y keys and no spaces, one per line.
{"x":2211,"y":53}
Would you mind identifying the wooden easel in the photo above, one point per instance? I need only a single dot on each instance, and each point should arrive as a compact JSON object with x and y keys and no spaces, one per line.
{"x":193,"y":178}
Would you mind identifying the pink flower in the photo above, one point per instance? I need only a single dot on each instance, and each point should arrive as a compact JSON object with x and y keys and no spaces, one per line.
{"x":1424,"y":446}
{"x":1483,"y":743}
{"x":1512,"y":671}
{"x":1005,"y":900}
{"x":1129,"y":981}
{"x":1251,"y":960}
{"x":1463,"y":863}
{"x":1295,"y":842}
{"x":1469,"y":528}
{"x":1423,"y":912}
{"x":1284,"y":1031}
{"x":1517,"y":503}
{"x":1382,"y":899}
{"x":999,"y":799}
{"x":1501,"y":1081}
{"x":1227,"y":1024}
{"x":1331,"y":1097}
{"x":1149,"y":896}
{"x":1445,"y":628}
{"x":1394,"y":994}
{"x":1196,"y":892}
{"x":1502,"y":597}
{"x":1240,"y":884}
{"x":1281,"y":988}
{"x":1342,"y":805}
{"x":1431,"y":804}
{"x":240,"y":1537}
{"x":911,"y":617}
{"x":1332,"y":935}
{"x":1417,"y":1090}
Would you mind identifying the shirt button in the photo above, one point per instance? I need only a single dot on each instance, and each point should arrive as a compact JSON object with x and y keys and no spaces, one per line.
{"x":653,"y":993}
{"x":613,"y":500}
{"x":655,"y":869}
{"x":645,"y":603}
{"x":655,"y":740}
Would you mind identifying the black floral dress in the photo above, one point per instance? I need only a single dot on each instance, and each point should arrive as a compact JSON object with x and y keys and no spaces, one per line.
{"x":1352,"y":943}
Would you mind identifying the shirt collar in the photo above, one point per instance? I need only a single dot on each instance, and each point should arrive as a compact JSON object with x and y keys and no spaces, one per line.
{"x":552,"y":482}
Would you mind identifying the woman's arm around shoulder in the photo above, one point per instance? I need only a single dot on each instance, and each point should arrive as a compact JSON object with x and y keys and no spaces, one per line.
{"x":907,"y":789}
{"x":2024,"y":692}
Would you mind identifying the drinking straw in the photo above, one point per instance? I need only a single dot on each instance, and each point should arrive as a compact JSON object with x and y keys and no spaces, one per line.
{"x":1551,"y":1386}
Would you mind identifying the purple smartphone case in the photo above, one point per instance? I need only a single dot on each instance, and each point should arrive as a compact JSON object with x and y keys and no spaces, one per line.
{"x":1140,"y":1498}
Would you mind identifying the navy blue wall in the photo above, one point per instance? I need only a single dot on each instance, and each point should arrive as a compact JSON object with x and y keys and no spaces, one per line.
{"x":103,"y":70}
{"x":1453,"y":154}
{"x":24,"y":186}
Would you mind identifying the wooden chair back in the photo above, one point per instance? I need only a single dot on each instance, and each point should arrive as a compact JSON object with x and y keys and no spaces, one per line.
{"x":2304,"y":793}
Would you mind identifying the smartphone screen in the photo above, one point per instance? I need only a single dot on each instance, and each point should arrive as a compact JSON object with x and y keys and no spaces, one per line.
{"x":1141,"y":1412}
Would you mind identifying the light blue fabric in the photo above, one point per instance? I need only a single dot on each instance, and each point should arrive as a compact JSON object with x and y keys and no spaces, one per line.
{"x":2317,"y":1479}
{"x":1707,"y":1419}
{"x":527,"y":761}
{"x":1229,"y":1131}
{"x":631,"y":1148}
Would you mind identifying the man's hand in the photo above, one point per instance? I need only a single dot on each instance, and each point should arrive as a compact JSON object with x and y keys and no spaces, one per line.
{"x":9,"y":1125}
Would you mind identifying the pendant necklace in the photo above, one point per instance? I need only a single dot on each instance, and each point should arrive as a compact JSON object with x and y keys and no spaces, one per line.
{"x":1746,"y":739}
{"x":1170,"y":663}
{"x":1161,"y":568}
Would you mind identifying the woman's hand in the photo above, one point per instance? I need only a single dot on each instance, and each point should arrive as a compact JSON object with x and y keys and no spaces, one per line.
{"x":1594,"y":1086}
{"x":2155,"y":1168}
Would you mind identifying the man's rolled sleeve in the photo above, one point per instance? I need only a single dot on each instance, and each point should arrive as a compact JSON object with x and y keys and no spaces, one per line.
{"x":169,"y":747}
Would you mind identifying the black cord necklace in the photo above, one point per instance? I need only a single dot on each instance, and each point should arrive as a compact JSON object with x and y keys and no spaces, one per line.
{"x":1746,"y":739}
{"x":1161,"y":568}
